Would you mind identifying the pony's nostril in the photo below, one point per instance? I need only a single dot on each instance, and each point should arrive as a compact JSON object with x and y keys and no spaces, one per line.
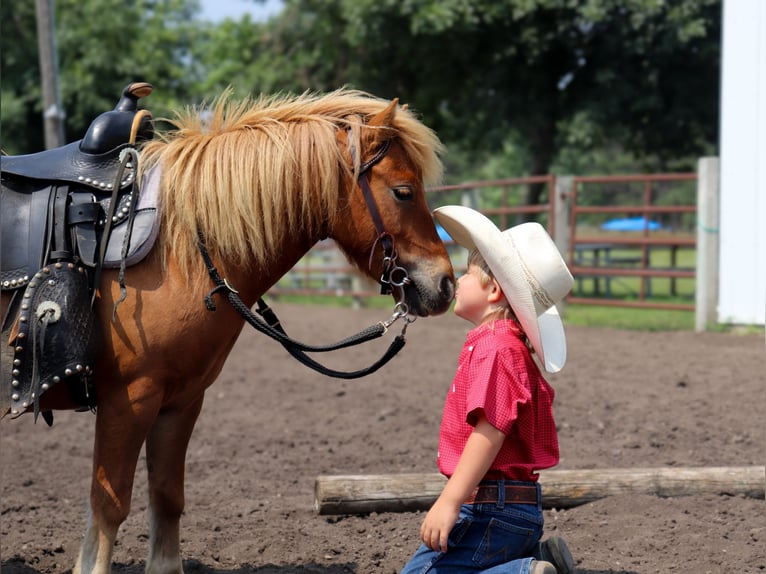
{"x":447,"y":287}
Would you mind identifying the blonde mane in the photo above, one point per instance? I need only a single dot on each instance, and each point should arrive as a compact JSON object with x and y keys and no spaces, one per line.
{"x":245,"y":173}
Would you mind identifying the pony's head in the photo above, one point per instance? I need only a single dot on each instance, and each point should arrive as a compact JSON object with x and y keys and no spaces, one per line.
{"x":385,"y":226}
{"x":264,"y":180}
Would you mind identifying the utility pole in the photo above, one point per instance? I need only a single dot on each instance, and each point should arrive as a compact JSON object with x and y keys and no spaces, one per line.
{"x":53,"y":111}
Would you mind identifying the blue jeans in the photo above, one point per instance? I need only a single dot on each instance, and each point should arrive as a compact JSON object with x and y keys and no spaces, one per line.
{"x":493,"y":538}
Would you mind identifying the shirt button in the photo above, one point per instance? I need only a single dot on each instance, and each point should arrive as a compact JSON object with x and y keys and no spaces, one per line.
{"x":470,"y":348}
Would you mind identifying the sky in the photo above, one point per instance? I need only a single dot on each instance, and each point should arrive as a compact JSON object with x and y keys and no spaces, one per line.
{"x":217,"y":10}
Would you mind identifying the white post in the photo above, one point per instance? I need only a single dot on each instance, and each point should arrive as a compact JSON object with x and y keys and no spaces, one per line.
{"x":708,"y":192}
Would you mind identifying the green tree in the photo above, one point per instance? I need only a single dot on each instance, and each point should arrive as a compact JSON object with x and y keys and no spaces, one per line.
{"x":102,"y":46}
{"x":552,"y":83}
{"x":539,"y":74}
{"x":20,"y":89}
{"x":299,"y":50}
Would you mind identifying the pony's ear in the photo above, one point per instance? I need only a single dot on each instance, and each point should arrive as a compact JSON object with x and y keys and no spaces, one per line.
{"x":383,"y":123}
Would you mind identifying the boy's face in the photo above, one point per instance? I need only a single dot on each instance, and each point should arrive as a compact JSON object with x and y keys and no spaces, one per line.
{"x":473,"y":301}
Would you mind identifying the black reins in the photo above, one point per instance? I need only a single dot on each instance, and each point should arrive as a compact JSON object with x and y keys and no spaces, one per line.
{"x":392,"y":276}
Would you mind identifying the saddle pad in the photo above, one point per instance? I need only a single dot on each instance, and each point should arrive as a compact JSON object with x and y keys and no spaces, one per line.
{"x":146,"y":226}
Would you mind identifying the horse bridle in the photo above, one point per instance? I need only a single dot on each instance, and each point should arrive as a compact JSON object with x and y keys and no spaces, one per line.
{"x":392,"y":276}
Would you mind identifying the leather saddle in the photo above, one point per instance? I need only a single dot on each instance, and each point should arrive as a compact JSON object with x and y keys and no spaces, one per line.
{"x":67,"y":213}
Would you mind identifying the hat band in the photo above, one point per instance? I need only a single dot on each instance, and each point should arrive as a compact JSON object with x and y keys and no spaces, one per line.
{"x":538,"y":291}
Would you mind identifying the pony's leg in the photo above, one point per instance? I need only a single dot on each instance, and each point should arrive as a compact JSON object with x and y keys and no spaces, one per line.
{"x":165,"y":461}
{"x":118,"y":440}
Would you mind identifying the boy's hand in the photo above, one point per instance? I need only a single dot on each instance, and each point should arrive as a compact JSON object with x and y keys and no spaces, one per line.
{"x":438,"y":523}
{"x":479,"y":452}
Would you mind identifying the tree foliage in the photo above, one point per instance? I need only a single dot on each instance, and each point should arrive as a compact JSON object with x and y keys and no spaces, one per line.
{"x":102,"y":46}
{"x":554,"y":83}
{"x":644,"y":73}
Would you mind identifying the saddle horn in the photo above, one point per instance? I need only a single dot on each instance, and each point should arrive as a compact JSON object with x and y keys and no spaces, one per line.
{"x":125,"y":123}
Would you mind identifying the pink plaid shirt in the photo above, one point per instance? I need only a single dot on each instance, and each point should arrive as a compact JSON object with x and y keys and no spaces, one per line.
{"x":496,"y":373}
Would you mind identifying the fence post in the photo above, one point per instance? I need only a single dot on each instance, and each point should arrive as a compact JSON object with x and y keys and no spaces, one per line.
{"x":470,"y":198}
{"x":706,"y":282}
{"x":561,"y":189}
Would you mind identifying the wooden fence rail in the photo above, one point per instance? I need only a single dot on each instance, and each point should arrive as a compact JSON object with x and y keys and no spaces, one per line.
{"x":637,"y":265}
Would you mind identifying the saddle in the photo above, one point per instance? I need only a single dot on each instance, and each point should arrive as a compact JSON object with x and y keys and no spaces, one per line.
{"x":66,"y":214}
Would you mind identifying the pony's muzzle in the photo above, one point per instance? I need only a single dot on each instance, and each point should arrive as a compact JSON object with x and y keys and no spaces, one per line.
{"x":430,"y":296}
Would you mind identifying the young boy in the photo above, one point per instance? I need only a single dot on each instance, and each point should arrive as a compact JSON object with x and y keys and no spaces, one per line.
{"x":497,"y":427}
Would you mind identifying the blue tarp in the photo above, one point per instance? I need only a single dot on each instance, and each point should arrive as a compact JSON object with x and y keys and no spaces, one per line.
{"x":443,"y":235}
{"x":631,"y":224}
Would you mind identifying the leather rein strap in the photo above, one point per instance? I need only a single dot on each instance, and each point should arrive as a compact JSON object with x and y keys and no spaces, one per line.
{"x":270,"y":325}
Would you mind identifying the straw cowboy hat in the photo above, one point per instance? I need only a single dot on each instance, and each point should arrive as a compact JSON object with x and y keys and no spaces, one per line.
{"x":529,"y":269}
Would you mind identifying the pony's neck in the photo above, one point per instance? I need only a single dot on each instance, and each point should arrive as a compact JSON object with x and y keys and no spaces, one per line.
{"x":253,"y":280}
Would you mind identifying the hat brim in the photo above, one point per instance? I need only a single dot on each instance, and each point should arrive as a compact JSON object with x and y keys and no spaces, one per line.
{"x":473,"y":230}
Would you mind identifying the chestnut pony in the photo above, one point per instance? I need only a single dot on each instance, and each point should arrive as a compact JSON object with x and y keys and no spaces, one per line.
{"x":261,"y":180}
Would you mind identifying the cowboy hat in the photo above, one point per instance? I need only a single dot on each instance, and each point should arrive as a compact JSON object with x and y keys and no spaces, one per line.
{"x":529,"y":269}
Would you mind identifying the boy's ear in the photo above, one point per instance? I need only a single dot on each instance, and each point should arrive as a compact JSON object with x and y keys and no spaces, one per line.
{"x":496,"y":293}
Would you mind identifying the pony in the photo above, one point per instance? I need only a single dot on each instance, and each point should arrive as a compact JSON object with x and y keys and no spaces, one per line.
{"x":254,"y":184}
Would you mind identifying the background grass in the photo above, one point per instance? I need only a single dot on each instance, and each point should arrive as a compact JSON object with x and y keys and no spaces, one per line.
{"x":628,"y":318}
{"x":582,"y":315}
{"x":629,"y":288}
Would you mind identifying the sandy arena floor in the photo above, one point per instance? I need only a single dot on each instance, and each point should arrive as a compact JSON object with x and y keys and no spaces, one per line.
{"x":270,"y":427}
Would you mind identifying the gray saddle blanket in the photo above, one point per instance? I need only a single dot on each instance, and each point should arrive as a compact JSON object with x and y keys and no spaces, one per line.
{"x":145,"y":226}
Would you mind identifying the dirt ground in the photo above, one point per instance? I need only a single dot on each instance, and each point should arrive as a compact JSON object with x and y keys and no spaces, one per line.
{"x":270,"y":427}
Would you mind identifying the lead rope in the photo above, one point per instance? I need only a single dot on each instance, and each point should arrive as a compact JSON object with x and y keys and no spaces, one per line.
{"x":271,"y":326}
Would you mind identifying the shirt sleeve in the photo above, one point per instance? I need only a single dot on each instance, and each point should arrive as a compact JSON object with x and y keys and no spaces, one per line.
{"x":498,"y":385}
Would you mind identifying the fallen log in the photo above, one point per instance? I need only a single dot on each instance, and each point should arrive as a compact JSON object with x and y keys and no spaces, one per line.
{"x":362,"y":494}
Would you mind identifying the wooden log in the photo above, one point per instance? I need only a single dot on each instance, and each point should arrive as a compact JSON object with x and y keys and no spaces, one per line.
{"x":361,"y":494}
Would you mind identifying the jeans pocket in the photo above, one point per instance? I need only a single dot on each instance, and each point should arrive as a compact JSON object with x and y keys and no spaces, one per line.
{"x":505,"y":541}
{"x":458,"y":531}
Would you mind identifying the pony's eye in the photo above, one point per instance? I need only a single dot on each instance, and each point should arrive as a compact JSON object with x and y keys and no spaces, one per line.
{"x":403,"y":192}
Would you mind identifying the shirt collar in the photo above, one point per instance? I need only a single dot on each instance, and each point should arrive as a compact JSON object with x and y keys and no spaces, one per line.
{"x":498,"y":327}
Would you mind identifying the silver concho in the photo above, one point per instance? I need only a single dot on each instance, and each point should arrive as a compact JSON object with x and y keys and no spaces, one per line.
{"x":50,"y":309}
